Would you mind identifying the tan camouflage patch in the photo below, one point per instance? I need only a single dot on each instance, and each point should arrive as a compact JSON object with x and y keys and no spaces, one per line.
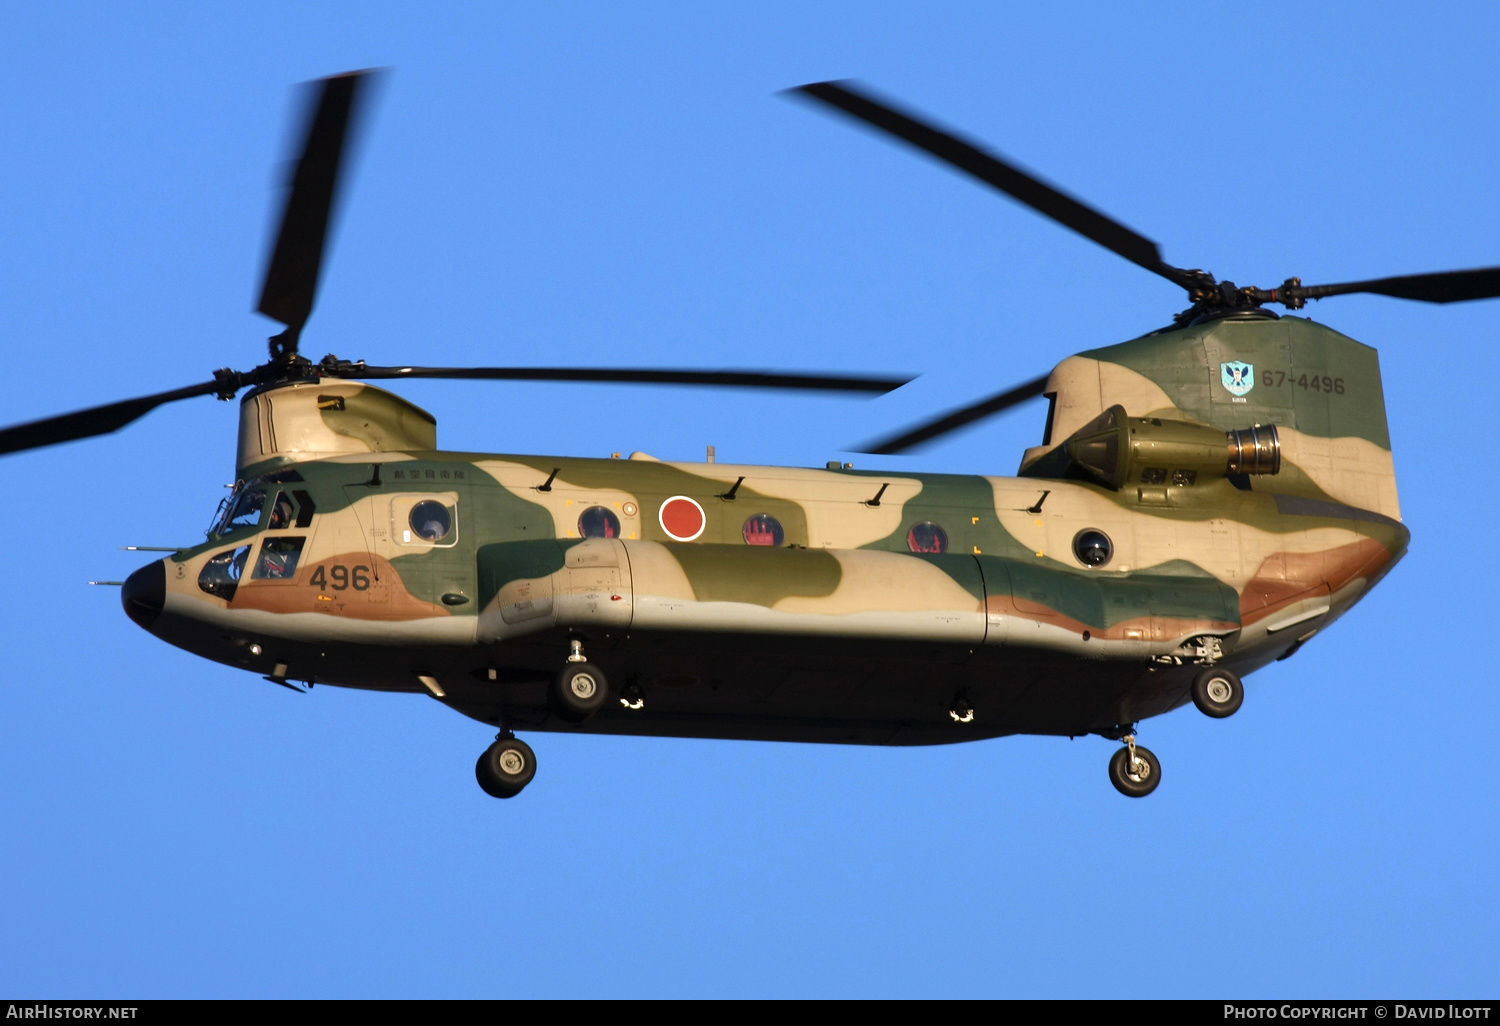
{"x":308,"y":420}
{"x":1353,"y":471}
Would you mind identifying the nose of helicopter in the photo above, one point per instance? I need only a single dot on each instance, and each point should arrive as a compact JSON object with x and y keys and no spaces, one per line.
{"x":145,"y":593}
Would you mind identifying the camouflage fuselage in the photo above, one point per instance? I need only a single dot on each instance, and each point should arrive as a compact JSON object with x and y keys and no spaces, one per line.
{"x":809,"y":604}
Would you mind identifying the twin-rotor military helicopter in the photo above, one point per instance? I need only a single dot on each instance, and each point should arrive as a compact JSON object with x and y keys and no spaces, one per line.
{"x":1206,"y":498}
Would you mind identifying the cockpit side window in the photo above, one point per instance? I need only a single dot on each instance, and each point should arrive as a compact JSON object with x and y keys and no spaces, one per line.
{"x":282,"y":512}
{"x":221,"y":574}
{"x":278,"y":558}
{"x":305,"y":508}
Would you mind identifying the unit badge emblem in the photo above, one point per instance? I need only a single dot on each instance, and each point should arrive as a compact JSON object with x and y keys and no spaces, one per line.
{"x":1238,"y":377}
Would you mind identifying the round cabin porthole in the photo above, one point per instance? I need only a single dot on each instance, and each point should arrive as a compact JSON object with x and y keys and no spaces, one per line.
{"x":764,"y":529}
{"x":598,"y":522}
{"x":430,"y":521}
{"x":682,"y":518}
{"x":927,"y":537}
{"x":1092,"y":547}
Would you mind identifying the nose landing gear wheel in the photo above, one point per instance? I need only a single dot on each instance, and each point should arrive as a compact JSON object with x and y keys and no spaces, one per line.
{"x":506,"y":767}
{"x":1137,"y":779}
{"x":1217,"y":693}
{"x":579,"y":691}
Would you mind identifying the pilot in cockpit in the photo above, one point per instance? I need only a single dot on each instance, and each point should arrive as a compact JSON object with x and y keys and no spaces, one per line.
{"x":282,"y":513}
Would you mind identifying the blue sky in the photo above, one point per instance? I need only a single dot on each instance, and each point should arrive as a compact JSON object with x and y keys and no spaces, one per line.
{"x":621,"y":185}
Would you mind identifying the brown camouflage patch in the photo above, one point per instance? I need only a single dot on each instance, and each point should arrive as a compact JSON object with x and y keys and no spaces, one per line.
{"x":386,"y":598}
{"x":1288,"y":577}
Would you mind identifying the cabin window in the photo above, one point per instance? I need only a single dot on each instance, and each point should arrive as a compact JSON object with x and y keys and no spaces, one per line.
{"x":927,"y":537}
{"x":1184,"y":478}
{"x":221,"y":574}
{"x":764,"y":529}
{"x":1092,"y":547}
{"x":430,"y":521}
{"x":1154,"y":475}
{"x":425,"y":521}
{"x":598,"y":522}
{"x":278,"y":558}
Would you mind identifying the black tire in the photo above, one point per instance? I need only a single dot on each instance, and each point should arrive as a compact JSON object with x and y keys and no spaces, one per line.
{"x":1217,"y":692}
{"x":1140,"y":783}
{"x":505,"y":768}
{"x":579,"y":691}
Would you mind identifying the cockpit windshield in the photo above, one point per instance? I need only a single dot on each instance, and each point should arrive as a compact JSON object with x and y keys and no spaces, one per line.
{"x":249,"y":498}
{"x":244,"y":509}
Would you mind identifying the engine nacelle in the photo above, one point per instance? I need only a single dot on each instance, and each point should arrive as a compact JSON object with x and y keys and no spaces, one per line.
{"x":1117,"y":449}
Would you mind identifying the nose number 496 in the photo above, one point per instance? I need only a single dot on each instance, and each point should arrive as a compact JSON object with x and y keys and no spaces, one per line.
{"x":341,"y":578}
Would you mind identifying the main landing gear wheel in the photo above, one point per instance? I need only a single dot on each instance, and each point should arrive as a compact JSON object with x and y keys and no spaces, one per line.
{"x":579,"y":691}
{"x":1134,"y":770}
{"x":506,"y":767}
{"x":1217,"y":692}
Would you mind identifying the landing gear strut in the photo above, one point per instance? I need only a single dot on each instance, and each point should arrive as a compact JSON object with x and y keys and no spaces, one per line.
{"x":580,"y":689}
{"x":506,"y":766}
{"x":1135,"y":771}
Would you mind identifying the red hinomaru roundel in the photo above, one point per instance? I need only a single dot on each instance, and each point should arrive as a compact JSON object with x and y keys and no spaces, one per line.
{"x":682,"y":518}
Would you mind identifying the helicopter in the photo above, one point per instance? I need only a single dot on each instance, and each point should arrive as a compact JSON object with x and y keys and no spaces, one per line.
{"x":1205,"y":499}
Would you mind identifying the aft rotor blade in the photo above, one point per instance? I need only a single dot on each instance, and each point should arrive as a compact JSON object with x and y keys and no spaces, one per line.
{"x":957,"y":419}
{"x":97,"y":420}
{"x":721,"y":378}
{"x":995,"y":171}
{"x":1440,"y":287}
{"x":291,"y":282}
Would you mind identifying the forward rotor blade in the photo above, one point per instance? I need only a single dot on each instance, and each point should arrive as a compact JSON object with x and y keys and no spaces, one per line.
{"x":724,"y":378}
{"x":997,"y":172}
{"x":97,"y":420}
{"x":291,"y":282}
{"x":1440,"y":287}
{"x":955,"y":420}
